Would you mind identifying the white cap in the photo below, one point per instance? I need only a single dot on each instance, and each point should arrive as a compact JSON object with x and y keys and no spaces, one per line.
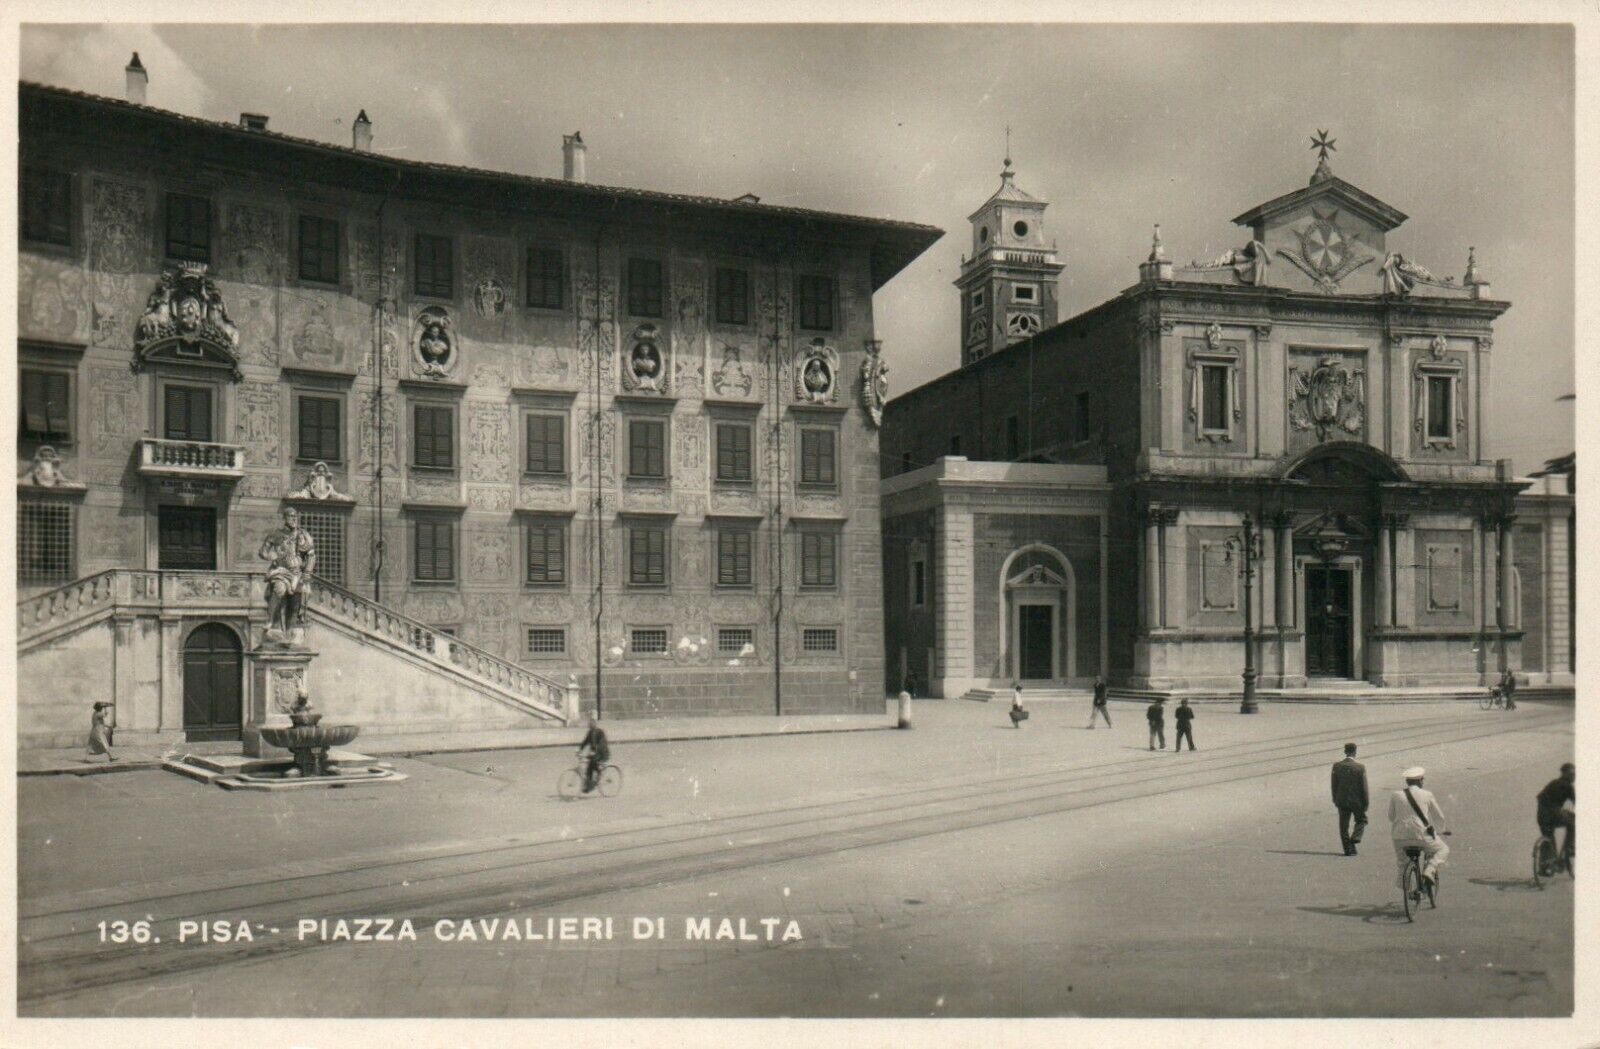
{"x":1414,"y":772}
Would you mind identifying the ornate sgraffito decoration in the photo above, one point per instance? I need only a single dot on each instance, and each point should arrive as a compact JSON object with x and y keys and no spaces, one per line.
{"x":117,"y":241}
{"x":874,"y":381}
{"x":45,"y":471}
{"x":185,"y":320}
{"x":1247,"y":264}
{"x":433,"y":343}
{"x":1400,"y":275}
{"x":1326,"y":254}
{"x":645,"y":367}
{"x":816,"y":374}
{"x":315,"y":342}
{"x":732,"y":375}
{"x":319,"y":487}
{"x":1328,"y":398}
{"x":489,"y":297}
{"x":489,"y":451}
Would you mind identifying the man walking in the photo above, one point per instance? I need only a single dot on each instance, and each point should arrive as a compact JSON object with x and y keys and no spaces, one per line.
{"x":1508,"y":688}
{"x":1156,"y":715}
{"x":1350,"y":798}
{"x":1184,"y":716}
{"x":1416,"y":821}
{"x":1099,"y":702}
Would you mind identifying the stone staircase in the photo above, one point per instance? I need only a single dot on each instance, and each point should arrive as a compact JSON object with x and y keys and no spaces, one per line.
{"x":1041,"y":694}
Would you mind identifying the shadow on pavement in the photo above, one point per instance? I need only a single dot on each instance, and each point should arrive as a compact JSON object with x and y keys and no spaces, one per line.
{"x":1507,"y":884}
{"x":1304,"y":852}
{"x":1377,"y":913}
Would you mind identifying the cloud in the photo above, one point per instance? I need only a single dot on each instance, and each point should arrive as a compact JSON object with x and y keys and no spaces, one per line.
{"x":93,"y":58}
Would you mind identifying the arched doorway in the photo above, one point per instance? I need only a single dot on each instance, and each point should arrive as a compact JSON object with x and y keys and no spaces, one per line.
{"x":212,"y":684}
{"x":1037,"y":615}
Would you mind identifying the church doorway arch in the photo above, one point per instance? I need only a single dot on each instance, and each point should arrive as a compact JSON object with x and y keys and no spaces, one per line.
{"x":1038,"y":615}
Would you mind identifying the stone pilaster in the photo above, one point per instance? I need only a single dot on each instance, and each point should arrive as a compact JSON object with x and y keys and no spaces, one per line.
{"x":953,"y":625}
{"x":1283,"y":571}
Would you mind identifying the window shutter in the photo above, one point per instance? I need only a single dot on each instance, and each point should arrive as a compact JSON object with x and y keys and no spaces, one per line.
{"x":35,"y":411}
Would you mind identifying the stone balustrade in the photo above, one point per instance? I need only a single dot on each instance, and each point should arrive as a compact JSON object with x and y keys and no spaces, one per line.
{"x":159,"y":457}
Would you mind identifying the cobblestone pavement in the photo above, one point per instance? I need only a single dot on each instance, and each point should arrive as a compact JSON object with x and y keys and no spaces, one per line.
{"x":962,"y":868}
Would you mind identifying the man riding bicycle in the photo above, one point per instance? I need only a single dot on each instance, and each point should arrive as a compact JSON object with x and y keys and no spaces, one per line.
{"x":594,"y":741}
{"x":1553,"y":813}
{"x":1416,"y":821}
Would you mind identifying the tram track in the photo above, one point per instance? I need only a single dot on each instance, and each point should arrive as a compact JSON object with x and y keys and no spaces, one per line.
{"x":59,"y":954}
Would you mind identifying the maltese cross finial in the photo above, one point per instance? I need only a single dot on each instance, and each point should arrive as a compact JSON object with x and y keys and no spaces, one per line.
{"x":1323,"y":144}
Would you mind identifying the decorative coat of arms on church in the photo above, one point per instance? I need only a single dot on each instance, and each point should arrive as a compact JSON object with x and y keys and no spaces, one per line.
{"x":1327,"y":398}
{"x":433,"y":342}
{"x":874,"y":381}
{"x":1326,"y":254}
{"x":816,"y":374}
{"x":185,"y":315}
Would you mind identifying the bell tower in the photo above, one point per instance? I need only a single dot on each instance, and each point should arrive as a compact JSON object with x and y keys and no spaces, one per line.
{"x":1008,"y":283}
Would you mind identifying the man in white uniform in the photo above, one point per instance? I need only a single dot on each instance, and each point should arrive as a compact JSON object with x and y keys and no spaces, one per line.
{"x":1415,"y":819}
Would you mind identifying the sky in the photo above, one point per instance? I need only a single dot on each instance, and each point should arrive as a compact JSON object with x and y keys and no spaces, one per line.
{"x":1467,"y":129}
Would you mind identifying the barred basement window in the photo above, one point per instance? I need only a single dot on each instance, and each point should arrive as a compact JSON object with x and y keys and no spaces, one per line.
{"x":819,"y":639}
{"x":44,"y":542}
{"x":735,"y":640}
{"x":327,"y":531}
{"x":649,"y":641}
{"x":547,"y":641}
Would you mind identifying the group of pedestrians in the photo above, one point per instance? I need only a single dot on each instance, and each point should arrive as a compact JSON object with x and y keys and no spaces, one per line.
{"x":1155,"y":715}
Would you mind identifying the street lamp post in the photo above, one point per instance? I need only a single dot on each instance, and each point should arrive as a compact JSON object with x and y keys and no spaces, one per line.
{"x":1248,"y":546}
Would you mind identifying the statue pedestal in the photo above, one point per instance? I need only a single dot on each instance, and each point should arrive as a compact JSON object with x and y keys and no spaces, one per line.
{"x":276,"y":676}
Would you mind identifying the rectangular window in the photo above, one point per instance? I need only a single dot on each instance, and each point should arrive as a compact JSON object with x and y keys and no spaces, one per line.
{"x":978,"y":299}
{"x":433,"y":258}
{"x":646,"y":288}
{"x":187,"y":413}
{"x":733,"y":451}
{"x":1013,"y":437}
{"x":1024,"y":292}
{"x":434,"y":550}
{"x":733,"y":296}
{"x":546,"y":545}
{"x":46,"y":409}
{"x":647,"y":556}
{"x":188,"y":228}
{"x":818,"y":458}
{"x":547,"y":641}
{"x":1441,"y":407}
{"x":1214,"y":398}
{"x":819,"y":639}
{"x":814,"y":302}
{"x":734,"y":556}
{"x":44,"y":542}
{"x":1080,"y":422}
{"x":647,"y":448}
{"x":319,"y":249}
{"x":819,"y":559}
{"x":919,"y":583}
{"x":320,"y":429}
{"x":546,"y":444}
{"x":327,"y":531}
{"x":955,"y":444}
{"x":433,"y":439}
{"x":736,"y":640}
{"x":649,"y":641}
{"x":545,"y":278}
{"x":46,"y":207}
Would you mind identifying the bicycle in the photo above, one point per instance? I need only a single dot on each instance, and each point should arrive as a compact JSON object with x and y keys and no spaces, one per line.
{"x":1547,"y":862}
{"x":1412,"y":886}
{"x":1494,"y":698}
{"x":569,"y":784}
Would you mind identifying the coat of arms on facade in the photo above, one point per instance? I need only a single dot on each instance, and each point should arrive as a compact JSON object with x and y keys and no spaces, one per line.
{"x":45,"y":471}
{"x":874,"y":381}
{"x":184,"y":319}
{"x":731,"y":376}
{"x":816,"y":374}
{"x":319,"y":487}
{"x":644,"y":367}
{"x":489,"y":297}
{"x":433,"y":342}
{"x":1328,"y":398}
{"x":1326,"y":254}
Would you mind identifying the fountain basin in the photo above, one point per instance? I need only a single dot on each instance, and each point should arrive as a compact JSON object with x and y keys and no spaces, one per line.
{"x":309,"y":742}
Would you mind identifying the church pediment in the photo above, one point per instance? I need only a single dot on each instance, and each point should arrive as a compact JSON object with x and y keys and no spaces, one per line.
{"x":1035,"y":576}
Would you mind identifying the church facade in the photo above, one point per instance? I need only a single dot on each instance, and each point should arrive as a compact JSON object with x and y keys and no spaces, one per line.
{"x":551,"y":439}
{"x":1288,"y":439}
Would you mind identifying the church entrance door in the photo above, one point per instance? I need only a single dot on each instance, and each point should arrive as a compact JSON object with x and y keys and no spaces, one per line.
{"x":1036,"y":638}
{"x":1328,"y":621}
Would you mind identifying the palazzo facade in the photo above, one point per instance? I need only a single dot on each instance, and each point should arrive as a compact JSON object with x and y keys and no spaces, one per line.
{"x":1301,"y":420}
{"x":547,"y":435}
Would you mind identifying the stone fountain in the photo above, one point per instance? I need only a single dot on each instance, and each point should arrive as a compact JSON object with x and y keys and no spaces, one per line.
{"x":308,"y":739}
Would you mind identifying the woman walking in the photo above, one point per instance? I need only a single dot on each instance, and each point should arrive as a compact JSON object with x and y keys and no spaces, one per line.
{"x":100,"y":732}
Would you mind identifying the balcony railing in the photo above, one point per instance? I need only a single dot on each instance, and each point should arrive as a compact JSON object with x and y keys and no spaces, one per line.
{"x":192,"y":459}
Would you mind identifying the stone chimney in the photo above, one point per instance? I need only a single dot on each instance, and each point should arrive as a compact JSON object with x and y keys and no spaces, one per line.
{"x":253,"y":121}
{"x":573,"y":168}
{"x":138,"y":80}
{"x":361,"y":133}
